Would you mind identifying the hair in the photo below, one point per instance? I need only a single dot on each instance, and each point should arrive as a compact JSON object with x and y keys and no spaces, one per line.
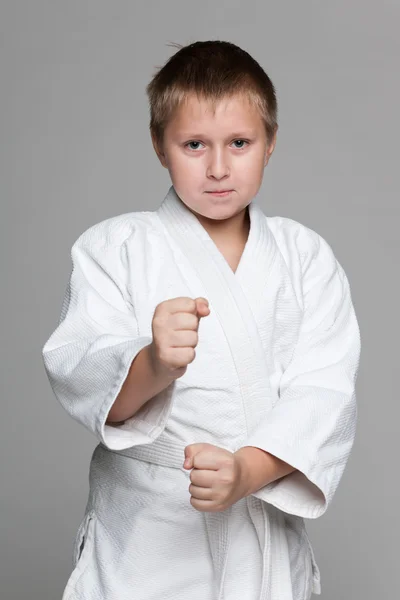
{"x":212,"y":70}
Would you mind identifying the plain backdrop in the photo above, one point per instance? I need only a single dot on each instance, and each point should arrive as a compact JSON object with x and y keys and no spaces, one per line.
{"x":75,"y":149}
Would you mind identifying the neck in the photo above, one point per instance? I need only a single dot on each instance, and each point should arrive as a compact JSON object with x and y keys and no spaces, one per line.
{"x":235,"y":228}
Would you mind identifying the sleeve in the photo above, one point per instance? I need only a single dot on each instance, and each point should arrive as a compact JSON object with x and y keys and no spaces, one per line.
{"x":312,"y":425}
{"x":88,"y":356}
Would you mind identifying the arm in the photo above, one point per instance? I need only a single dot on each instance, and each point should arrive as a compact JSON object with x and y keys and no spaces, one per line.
{"x":89,"y":357}
{"x":312,"y":424}
{"x":142,"y":383}
{"x":164,"y":360}
{"x":260,"y":468}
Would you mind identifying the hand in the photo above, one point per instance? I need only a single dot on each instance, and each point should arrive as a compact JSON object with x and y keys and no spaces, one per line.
{"x":217,"y":477}
{"x":175,"y":334}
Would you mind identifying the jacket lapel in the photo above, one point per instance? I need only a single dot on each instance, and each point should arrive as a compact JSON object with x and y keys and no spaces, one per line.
{"x":224,"y":290}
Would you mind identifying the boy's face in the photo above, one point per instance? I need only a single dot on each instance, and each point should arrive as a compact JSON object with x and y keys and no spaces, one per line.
{"x":206,"y":152}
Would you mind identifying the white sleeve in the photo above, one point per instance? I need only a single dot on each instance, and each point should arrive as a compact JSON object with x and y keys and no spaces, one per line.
{"x":312,"y":425}
{"x":88,"y":356}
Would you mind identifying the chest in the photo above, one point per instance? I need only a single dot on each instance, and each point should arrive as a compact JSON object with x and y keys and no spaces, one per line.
{"x":268,"y":293}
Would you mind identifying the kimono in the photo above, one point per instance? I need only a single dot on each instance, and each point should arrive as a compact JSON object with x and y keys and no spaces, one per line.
{"x":275,"y":368}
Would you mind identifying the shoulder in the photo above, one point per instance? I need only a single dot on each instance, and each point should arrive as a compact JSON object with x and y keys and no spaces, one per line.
{"x":292,"y":233}
{"x":118,"y":230}
{"x":113,"y":245}
{"x":297,"y":239}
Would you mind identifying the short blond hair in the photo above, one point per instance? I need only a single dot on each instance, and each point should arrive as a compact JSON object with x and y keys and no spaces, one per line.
{"x":212,"y":70}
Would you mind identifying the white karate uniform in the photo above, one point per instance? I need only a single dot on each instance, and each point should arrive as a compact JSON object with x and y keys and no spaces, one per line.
{"x":275,"y":368}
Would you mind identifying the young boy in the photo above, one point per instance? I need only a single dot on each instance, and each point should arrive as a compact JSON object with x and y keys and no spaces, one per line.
{"x":213,"y":352}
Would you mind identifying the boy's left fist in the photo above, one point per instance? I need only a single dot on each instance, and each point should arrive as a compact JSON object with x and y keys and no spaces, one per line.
{"x":217,"y":477}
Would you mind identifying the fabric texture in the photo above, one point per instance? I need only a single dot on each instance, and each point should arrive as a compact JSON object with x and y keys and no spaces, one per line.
{"x":275,"y":368}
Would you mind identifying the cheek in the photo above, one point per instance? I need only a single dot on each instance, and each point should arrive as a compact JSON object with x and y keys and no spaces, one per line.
{"x":252,"y":167}
{"x":182,"y":166}
{"x":185,"y":175}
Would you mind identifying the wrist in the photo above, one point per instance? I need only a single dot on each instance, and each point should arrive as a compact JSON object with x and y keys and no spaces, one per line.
{"x":261,"y":468}
{"x":152,"y":359}
{"x":159,"y":371}
{"x":257,"y":468}
{"x":244,"y":472}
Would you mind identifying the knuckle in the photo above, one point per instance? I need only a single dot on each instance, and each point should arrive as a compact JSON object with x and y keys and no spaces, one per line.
{"x":190,"y":305}
{"x":227,"y":478}
{"x":179,"y":358}
{"x":163,"y":355}
{"x":191,"y":353}
{"x":161,"y":307}
{"x":159,"y":321}
{"x":192,"y":338}
{"x":175,"y":338}
{"x":194,"y":322}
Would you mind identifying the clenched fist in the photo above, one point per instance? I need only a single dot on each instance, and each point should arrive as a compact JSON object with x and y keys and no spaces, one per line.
{"x":175,"y":334}
{"x":218,"y":477}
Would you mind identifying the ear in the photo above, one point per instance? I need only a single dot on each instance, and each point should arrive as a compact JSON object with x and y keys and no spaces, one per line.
{"x":159,"y":150}
{"x":271,"y":147}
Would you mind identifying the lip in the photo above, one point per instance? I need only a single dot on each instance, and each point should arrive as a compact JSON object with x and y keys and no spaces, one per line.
{"x":220,"y":192}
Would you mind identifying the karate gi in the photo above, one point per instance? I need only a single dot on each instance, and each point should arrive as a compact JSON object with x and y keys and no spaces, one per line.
{"x":275,"y":368}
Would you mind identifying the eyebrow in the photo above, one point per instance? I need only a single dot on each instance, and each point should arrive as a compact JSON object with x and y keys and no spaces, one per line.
{"x":237,"y":135}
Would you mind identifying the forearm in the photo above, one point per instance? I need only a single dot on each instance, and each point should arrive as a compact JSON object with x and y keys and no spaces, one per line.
{"x":142,"y":383}
{"x":259,"y":468}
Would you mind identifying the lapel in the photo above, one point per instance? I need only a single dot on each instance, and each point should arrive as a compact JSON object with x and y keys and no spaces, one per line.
{"x":225,"y":291}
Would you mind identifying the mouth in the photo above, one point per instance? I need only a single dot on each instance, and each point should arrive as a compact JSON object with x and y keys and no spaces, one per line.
{"x":220,"y":192}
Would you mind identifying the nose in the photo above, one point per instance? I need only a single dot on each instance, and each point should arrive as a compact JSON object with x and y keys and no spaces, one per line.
{"x":218,"y":167}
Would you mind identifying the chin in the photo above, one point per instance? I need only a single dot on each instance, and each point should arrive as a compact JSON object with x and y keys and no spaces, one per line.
{"x":219,"y":213}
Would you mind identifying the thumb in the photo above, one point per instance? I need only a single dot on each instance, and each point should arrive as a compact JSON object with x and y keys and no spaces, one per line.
{"x":190,"y":453}
{"x":202,"y":307}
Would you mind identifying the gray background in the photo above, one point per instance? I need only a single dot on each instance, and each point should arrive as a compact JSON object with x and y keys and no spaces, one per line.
{"x":75,"y":150}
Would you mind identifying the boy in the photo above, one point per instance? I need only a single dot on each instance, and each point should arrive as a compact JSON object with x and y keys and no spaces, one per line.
{"x":213,"y":351}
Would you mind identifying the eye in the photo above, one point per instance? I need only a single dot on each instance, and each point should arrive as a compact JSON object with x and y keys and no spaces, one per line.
{"x":194,"y":143}
{"x":241,"y":144}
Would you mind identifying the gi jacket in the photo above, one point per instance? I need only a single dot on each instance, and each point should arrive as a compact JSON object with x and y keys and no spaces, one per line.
{"x":275,"y":368}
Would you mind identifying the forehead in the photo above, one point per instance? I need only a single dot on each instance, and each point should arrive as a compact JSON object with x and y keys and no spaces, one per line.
{"x":233,"y":111}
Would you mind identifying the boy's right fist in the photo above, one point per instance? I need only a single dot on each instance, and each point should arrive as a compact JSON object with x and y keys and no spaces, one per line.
{"x":175,"y":325}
